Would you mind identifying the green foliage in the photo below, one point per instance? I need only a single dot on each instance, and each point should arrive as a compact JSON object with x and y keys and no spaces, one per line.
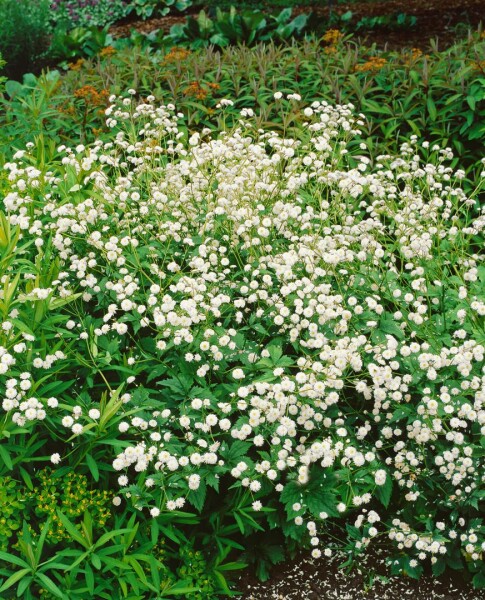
{"x":12,"y":502}
{"x":67,"y":45}
{"x":2,"y":78}
{"x":248,"y":27}
{"x":69,"y":14}
{"x":23,"y":34}
{"x":212,"y":379}
{"x":70,"y":494}
{"x":394,"y":21}
{"x":156,"y":8}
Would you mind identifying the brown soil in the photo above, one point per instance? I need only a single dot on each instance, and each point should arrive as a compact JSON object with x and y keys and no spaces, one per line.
{"x":436,"y":19}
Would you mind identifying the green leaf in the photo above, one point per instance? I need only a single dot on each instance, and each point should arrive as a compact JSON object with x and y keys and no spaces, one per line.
{"x":109,"y":535}
{"x":292,"y":492}
{"x":384,"y":492}
{"x":479,"y":579}
{"x":27,"y":479}
{"x":389,"y":326}
{"x":438,"y":567}
{"x":93,"y":467}
{"x":89,"y":576}
{"x":96,"y":561}
{"x":320,"y":501}
{"x":12,"y":580}
{"x":5,"y":456}
{"x":50,"y":585}
{"x":433,"y":113}
{"x":12,"y":559}
{"x":197,"y":497}
{"x":72,"y":530}
{"x":232,"y":566}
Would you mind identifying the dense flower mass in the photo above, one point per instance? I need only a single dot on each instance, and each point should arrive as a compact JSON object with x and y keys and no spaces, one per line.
{"x":283,"y":318}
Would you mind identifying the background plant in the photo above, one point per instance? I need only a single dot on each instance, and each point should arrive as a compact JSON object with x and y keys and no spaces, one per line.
{"x":233,"y":27}
{"x":439,"y":96}
{"x":23,"y":35}
{"x":68,"y":14}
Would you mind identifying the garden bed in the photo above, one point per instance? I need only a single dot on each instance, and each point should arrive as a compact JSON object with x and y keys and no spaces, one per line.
{"x":445,"y":20}
{"x":242,"y":319}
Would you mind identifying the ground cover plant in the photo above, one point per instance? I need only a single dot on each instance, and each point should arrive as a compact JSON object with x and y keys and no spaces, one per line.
{"x":100,"y":13}
{"x":219,"y":343}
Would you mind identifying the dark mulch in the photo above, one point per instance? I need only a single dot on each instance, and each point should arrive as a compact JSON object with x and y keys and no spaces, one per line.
{"x":310,"y":579}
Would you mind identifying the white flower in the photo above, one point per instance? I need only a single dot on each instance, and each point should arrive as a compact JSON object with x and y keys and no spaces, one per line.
{"x":238,"y":374}
{"x":194,"y":481}
{"x":94,"y":414}
{"x":380,"y":477}
{"x":55,"y":458}
{"x":67,"y":421}
{"x":77,"y":428}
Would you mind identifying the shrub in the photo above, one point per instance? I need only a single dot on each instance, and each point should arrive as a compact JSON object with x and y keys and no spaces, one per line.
{"x":69,"y":14}
{"x":87,"y":13}
{"x":248,"y":27}
{"x":239,"y":333}
{"x":23,"y":35}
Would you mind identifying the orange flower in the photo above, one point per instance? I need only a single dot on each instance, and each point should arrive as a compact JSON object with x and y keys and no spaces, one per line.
{"x":332,"y":37}
{"x":176,"y":55}
{"x":108,"y":51}
{"x":479,"y":65}
{"x":374,"y":64}
{"x":76,"y":66}
{"x":412,"y":56}
{"x":91,"y":96}
{"x":195,"y":90}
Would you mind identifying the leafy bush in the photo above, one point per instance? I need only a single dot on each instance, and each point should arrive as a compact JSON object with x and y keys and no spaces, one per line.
{"x":248,"y":27}
{"x":236,"y":334}
{"x":149,"y":8}
{"x":69,"y":14}
{"x":87,"y":13}
{"x":23,"y":34}
{"x":77,"y":43}
{"x":398,"y":20}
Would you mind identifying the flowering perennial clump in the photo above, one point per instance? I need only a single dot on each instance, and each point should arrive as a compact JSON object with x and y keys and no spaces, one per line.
{"x":286,"y":321}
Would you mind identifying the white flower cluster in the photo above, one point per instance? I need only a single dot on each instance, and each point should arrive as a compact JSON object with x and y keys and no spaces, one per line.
{"x":320,"y":304}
